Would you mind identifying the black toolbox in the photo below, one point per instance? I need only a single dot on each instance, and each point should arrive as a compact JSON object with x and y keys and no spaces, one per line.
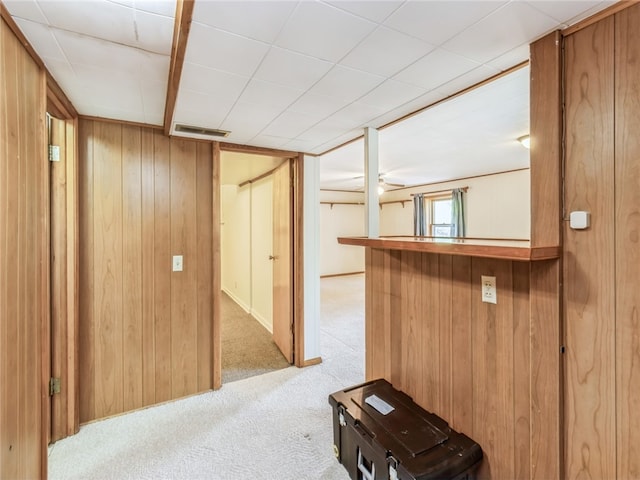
{"x":379,"y":433}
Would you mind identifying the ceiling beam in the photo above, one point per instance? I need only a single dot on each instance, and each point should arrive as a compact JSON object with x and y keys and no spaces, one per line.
{"x":181,"y":28}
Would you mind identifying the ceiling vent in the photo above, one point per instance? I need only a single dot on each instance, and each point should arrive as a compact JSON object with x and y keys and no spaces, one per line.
{"x":210,"y":132}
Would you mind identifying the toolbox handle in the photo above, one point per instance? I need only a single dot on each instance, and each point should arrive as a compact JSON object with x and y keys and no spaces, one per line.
{"x":366,"y":473}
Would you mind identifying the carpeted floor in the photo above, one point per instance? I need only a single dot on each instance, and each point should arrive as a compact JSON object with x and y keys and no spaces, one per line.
{"x":272,"y":426}
{"x":247,"y":347}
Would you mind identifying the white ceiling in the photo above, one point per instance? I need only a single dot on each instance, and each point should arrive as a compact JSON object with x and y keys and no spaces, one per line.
{"x":295,"y":75}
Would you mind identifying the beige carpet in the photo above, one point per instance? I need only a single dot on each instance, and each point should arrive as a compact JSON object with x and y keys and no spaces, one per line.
{"x":247,"y":347}
{"x":272,"y":426}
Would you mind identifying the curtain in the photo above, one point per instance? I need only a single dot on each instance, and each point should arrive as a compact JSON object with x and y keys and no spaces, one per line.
{"x":419,"y":221}
{"x":457,"y":213}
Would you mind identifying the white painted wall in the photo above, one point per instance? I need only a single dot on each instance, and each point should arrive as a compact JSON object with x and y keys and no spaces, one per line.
{"x":341,"y":221}
{"x":497,"y":206}
{"x":246,"y":243}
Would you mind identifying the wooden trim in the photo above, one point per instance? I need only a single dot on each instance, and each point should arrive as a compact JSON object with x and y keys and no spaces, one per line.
{"x":333,"y":275}
{"x":337,"y":147}
{"x":500,"y":249}
{"x":13,"y":26}
{"x":58,"y":104}
{"x":181,"y":28}
{"x":457,"y":179}
{"x":125,"y":123}
{"x":217,"y":265}
{"x":237,"y":148}
{"x":312,"y":361}
{"x":448,"y":190}
{"x":298,"y":260}
{"x":596,"y":17}
{"x":546,"y":140}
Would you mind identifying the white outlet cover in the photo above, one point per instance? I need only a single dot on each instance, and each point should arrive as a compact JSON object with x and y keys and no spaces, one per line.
{"x":177,"y":263}
{"x":489,"y":291}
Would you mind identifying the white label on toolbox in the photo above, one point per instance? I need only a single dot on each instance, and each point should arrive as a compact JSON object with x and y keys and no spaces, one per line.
{"x":380,"y":405}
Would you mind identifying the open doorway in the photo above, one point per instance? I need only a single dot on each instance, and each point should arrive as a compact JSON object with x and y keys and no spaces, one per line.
{"x":256,"y":273}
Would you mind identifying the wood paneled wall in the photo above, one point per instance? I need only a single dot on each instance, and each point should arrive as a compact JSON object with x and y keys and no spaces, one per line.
{"x":429,"y":333}
{"x":601,"y":281}
{"x":145,"y":331}
{"x":24,"y":274}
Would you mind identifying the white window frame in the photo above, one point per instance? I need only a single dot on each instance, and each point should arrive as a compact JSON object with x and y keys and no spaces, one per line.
{"x":430,"y":201}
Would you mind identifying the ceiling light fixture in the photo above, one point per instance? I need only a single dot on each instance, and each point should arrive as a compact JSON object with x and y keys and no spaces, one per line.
{"x":525,"y":141}
{"x":380,"y":189}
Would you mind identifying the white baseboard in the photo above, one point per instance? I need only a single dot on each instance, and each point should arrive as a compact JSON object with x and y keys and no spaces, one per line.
{"x":243,"y":305}
{"x":263,"y":321}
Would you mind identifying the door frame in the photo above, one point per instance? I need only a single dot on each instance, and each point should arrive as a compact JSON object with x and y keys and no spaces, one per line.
{"x":297,"y":292}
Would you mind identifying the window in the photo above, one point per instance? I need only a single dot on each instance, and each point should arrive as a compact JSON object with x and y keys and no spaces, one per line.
{"x":439,"y":212}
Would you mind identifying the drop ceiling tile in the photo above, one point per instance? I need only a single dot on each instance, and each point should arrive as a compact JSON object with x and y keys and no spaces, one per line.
{"x":117,"y":112}
{"x":166,"y":8}
{"x":568,"y":12}
{"x":409,"y":107}
{"x":437,"y":21}
{"x":249,"y":117}
{"x":270,"y":94}
{"x":385,"y":52}
{"x":323,"y":31}
{"x":511,"y":58}
{"x":259,"y":20}
{"x":437,"y":68}
{"x":469,"y":79}
{"x":41,"y":39}
{"x":291,"y":69}
{"x":80,"y":49}
{"x":507,"y":28}
{"x":290,"y":125}
{"x":236,"y":54}
{"x":210,"y":81}
{"x":357,"y":115}
{"x":154,"y":94}
{"x":299,"y":145}
{"x":391,"y":94}
{"x":376,"y":11}
{"x":346,"y":84}
{"x":25,"y":9}
{"x":320,"y":105}
{"x":154,"y":32}
{"x":270,"y":141}
{"x":215,"y":107}
{"x":199,"y":118}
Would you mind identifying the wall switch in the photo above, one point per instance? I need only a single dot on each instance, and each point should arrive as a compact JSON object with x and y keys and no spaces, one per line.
{"x":177,"y":263}
{"x":489,"y":294}
{"x":579,"y":220}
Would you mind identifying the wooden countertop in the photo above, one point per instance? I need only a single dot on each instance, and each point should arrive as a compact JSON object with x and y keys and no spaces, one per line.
{"x":518,"y":250}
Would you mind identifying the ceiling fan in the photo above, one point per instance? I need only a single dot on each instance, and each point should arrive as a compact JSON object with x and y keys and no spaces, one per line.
{"x":383,"y":182}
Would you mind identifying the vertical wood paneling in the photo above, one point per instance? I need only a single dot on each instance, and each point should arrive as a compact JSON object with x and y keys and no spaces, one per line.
{"x":217,"y":286}
{"x":411,"y":377}
{"x":146,"y":332}
{"x":24,"y":287}
{"x":445,"y":318}
{"x":86,"y":331}
{"x":132,"y":269}
{"x":462,"y":346}
{"x":184,"y":298}
{"x":627,"y":228}
{"x":204,"y":265}
{"x":162,"y":266}
{"x":148,"y":267}
{"x":425,"y":326}
{"x":521,"y":366}
{"x":589,"y":275}
{"x":107,"y":185}
{"x":376,"y":352}
{"x":395,"y":301}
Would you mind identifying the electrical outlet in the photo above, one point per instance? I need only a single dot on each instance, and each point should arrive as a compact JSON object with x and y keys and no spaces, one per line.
{"x":489,"y":293}
{"x":177,"y":263}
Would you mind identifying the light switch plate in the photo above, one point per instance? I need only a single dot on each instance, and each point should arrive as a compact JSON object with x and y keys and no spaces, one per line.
{"x":177,"y":263}
{"x":489,"y":293}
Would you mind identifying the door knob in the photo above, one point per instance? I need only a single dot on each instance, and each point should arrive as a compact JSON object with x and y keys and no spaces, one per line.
{"x":272,"y":257}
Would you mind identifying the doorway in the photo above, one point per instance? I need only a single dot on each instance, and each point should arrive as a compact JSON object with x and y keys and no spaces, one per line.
{"x":256,"y":264}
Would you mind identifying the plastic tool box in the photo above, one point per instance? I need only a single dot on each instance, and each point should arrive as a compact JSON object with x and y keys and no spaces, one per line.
{"x":381,"y":434}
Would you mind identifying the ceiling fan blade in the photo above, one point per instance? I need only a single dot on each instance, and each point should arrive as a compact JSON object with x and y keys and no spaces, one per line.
{"x":395,"y":184}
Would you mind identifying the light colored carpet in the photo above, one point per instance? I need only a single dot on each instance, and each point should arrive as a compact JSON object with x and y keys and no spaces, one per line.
{"x":247,"y":347}
{"x":272,"y":426}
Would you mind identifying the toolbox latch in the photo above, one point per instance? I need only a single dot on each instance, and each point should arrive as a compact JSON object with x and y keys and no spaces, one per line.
{"x":341,"y":419}
{"x":367,"y":473}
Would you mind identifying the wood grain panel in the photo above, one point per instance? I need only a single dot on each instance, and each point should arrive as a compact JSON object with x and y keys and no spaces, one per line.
{"x":411,"y":378}
{"x":132,"y":269}
{"x":545,"y":101}
{"x":24,"y":286}
{"x":589,"y":273}
{"x":107,"y":270}
{"x":162,"y":266}
{"x":462,"y":344}
{"x":184,"y":293}
{"x":425,"y":326}
{"x":146,"y":333}
{"x":445,"y":339}
{"x":627,"y":228}
{"x":217,"y":285}
{"x":204,"y":265}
